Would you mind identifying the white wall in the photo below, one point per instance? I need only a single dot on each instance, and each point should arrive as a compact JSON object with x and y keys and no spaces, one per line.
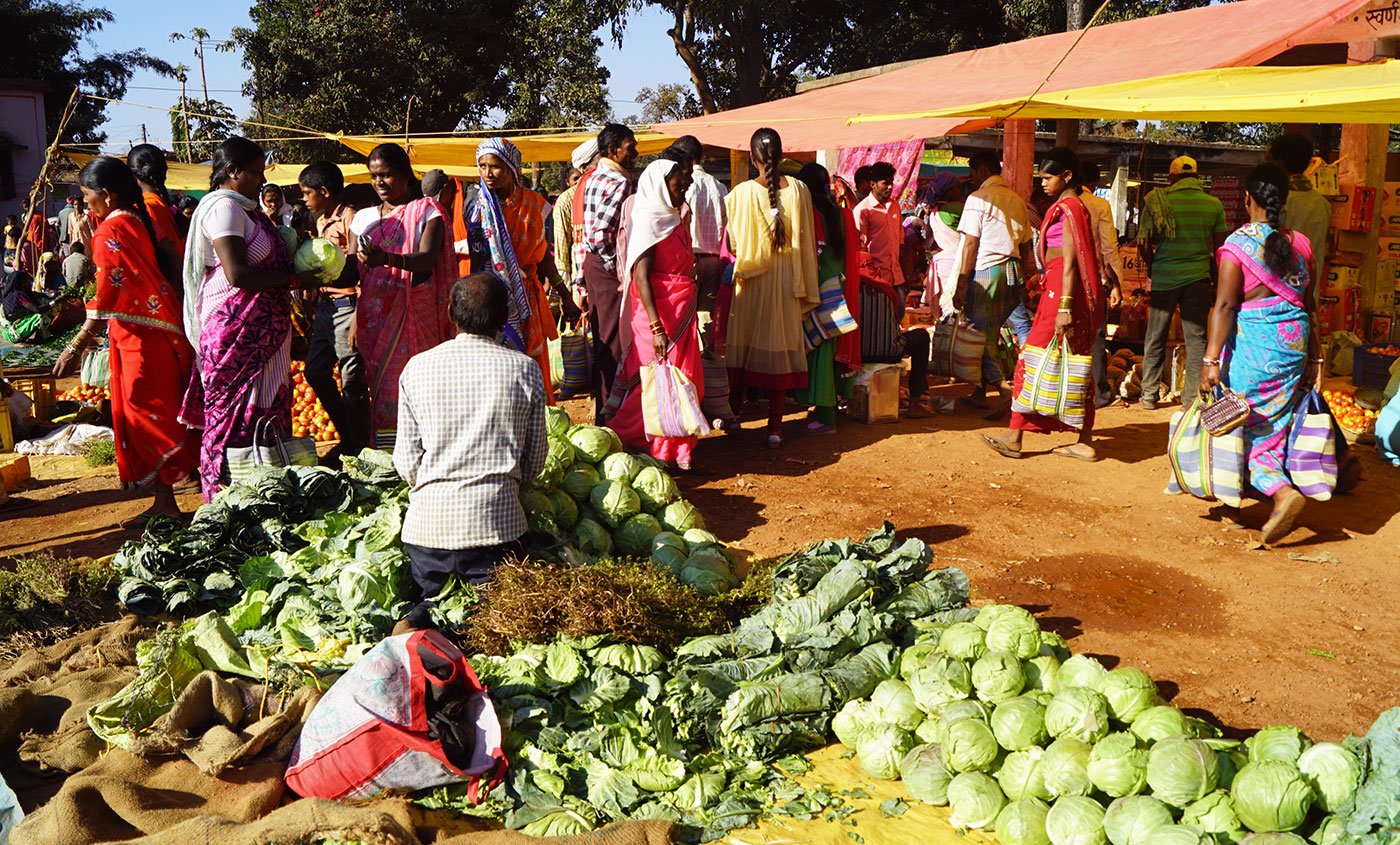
{"x":22,"y":121}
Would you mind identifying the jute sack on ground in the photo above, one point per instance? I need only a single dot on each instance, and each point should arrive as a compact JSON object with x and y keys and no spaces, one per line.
{"x":113,"y":644}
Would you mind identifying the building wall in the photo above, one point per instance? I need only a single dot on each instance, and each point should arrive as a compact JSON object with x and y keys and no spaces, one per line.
{"x":22,"y":121}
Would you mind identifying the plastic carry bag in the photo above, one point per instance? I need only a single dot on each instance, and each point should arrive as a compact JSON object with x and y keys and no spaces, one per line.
{"x":670,"y":403}
{"x":1204,"y":465}
{"x":575,"y":360}
{"x":1311,"y":459}
{"x":270,"y":448}
{"x":1056,"y":383}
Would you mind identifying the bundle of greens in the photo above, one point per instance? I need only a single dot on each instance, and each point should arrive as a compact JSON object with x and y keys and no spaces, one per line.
{"x":186,"y":570}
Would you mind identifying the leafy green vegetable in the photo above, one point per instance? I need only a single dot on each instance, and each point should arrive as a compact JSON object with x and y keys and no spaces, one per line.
{"x":1333,"y":772}
{"x":975,"y":800}
{"x":1129,"y":692}
{"x":925,"y":776}
{"x":1077,"y":712}
{"x":1118,"y":765}
{"x":1278,"y":742}
{"x":1019,"y":723}
{"x":1023,"y":823}
{"x":1075,"y":820}
{"x":1130,"y":820}
{"x":1181,"y":771}
{"x":1271,"y":796}
{"x":1081,"y":670}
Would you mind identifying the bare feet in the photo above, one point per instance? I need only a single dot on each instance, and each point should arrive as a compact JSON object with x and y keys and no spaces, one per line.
{"x":1288,"y":504}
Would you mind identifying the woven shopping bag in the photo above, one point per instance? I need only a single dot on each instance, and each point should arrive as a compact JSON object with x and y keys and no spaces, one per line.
{"x":576,"y":360}
{"x":97,"y":367}
{"x":831,"y":318}
{"x":1311,"y":459}
{"x":1205,"y":465}
{"x":1056,"y":383}
{"x":714,"y":401}
{"x":270,"y":448}
{"x":956,"y":351}
{"x":670,"y":403}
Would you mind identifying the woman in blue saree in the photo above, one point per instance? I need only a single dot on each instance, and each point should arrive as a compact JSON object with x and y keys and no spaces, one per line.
{"x":1263,"y":344}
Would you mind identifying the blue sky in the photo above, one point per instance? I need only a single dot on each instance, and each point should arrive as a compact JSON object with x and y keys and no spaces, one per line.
{"x":646,"y":58}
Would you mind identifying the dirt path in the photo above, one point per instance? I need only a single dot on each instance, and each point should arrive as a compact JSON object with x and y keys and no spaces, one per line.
{"x":1097,"y":551}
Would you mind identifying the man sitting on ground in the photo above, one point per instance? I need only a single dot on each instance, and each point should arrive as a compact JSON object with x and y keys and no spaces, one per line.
{"x":471,"y":431}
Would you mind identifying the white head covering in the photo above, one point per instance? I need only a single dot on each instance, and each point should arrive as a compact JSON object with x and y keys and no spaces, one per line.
{"x":584,"y":153}
{"x":653,"y":215}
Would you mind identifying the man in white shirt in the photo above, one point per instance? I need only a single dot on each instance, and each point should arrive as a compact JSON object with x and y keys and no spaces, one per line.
{"x":996,"y":259}
{"x":471,"y":431}
{"x":1106,"y":238}
{"x":708,"y":220}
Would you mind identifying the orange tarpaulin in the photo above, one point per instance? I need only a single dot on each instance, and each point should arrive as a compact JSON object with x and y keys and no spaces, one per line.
{"x":1236,"y":34}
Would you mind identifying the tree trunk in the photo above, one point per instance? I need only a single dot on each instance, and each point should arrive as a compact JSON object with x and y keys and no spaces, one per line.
{"x":683,"y":36}
{"x":1067,"y":131}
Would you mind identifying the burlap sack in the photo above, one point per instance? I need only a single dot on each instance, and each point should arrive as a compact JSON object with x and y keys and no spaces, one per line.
{"x":113,"y":644}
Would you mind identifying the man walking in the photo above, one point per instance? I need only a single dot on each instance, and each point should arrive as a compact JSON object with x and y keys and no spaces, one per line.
{"x":605,"y":189}
{"x":1182,"y":227}
{"x":471,"y":431}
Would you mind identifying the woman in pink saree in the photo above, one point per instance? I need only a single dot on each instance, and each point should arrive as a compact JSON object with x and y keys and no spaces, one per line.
{"x":659,"y":303}
{"x":407,"y":268}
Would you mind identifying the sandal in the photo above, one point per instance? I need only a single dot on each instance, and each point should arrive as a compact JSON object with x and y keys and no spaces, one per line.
{"x":996,"y":445}
{"x":1282,"y":520}
{"x":917,"y":411}
{"x":819,"y":427}
{"x":1068,"y":452}
{"x":138,"y":522}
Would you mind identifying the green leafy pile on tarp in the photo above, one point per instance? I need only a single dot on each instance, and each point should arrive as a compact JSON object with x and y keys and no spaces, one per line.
{"x":184,"y":570}
{"x":599,"y":731}
{"x":1373,"y":813}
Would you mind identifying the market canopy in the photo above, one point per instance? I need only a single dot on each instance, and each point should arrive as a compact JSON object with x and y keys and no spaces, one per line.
{"x":457,"y":152}
{"x":1367,"y":93}
{"x":1242,"y":33}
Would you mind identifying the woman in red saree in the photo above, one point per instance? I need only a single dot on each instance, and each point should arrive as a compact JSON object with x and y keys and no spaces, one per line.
{"x":659,"y":304}
{"x":1071,"y":303}
{"x":150,"y":358}
{"x":407,"y":268}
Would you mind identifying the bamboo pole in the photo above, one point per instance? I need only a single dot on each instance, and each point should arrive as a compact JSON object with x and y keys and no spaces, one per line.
{"x":41,"y":183}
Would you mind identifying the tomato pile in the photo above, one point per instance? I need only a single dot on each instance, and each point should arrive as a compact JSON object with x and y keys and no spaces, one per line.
{"x":85,"y":393}
{"x":1389,"y":349}
{"x":1352,"y":416}
{"x":309,"y":419}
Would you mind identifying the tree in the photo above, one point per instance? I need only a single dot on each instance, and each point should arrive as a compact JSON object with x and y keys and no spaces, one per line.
{"x":553,"y":74}
{"x":209,"y":121}
{"x":43,"y":41}
{"x":666,"y":102}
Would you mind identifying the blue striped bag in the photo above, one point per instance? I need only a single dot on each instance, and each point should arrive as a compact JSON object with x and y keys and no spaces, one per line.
{"x":1311,"y":459}
{"x":576,"y":360}
{"x":1205,"y":465}
{"x":1056,"y":383}
{"x":832,"y":318}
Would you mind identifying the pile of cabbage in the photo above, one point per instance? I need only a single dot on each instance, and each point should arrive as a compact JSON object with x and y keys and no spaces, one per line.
{"x":994,"y":718}
{"x":594,"y":500}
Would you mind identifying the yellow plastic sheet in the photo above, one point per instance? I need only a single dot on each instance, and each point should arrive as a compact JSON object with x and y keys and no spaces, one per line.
{"x":195,"y":177}
{"x":921,"y":823}
{"x":448,"y":153}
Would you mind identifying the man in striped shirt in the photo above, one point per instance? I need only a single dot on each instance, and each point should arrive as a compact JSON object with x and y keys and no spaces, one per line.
{"x":605,"y":189}
{"x":1182,"y":227}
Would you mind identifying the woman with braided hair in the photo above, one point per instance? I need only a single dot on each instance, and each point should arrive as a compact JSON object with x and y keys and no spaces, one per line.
{"x":147,"y":162}
{"x":772,"y":238}
{"x":1262,"y":342}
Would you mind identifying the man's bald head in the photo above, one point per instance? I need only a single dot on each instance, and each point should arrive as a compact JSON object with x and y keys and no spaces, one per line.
{"x":433,"y":182}
{"x":479,"y":304}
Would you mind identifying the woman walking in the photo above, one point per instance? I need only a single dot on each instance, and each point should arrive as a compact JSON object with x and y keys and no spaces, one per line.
{"x":407,"y":268}
{"x":148,"y":163}
{"x":1071,"y":304}
{"x":151,"y":359}
{"x":237,"y":308}
{"x":1262,"y":344}
{"x":775,"y":281}
{"x":833,"y":236}
{"x":659,"y":303}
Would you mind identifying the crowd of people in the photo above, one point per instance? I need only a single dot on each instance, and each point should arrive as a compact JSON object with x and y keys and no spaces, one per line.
{"x":776,"y":291}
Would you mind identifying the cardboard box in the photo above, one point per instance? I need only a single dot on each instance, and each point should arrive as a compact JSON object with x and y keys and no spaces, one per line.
{"x":875,"y":394}
{"x":1337,"y":279}
{"x":1390,"y":208}
{"x":1357,"y":210}
{"x":1388,"y":249}
{"x":1385,"y":300}
{"x":1323,"y":176}
{"x":1339,"y":313}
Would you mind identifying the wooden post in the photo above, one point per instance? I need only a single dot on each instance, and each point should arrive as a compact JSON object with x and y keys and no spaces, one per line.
{"x":1018,"y":155}
{"x":1363,"y":155}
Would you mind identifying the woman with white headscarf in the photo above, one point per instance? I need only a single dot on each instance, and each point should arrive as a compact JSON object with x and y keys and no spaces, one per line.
{"x":659,"y":303}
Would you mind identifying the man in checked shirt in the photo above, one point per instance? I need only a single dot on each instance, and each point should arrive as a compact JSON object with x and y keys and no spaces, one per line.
{"x":605,"y":188}
{"x":471,"y":431}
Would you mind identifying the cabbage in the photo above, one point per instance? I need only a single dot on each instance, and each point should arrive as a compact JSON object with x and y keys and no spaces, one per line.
{"x":1043,"y":673}
{"x":1129,"y":692}
{"x":698,"y":537}
{"x":1077,"y":712}
{"x":708,"y":571}
{"x":614,"y":502}
{"x":1065,"y":768}
{"x":927,"y":731}
{"x":1014,"y":634}
{"x":558,"y":460}
{"x":1279,"y":742}
{"x":969,"y":746}
{"x":1270,"y":796}
{"x":895,"y":705}
{"x":1215,"y":815}
{"x":1333,"y":773}
{"x":1177,"y":834}
{"x":565,"y":509}
{"x":1275,"y":839}
{"x":668,"y":557}
{"x":1020,"y":776}
{"x":998,"y":676}
{"x":1118,"y":765}
{"x":592,"y":539}
{"x":557,"y":423}
{"x":924,"y":775}
{"x":854,"y":723}
{"x":1023,"y":823}
{"x":1019,"y":723}
{"x":536,"y":503}
{"x":593,"y":443}
{"x":1129,"y":820}
{"x":975,"y":800}
{"x":289,"y":240}
{"x":321,"y":255}
{"x":1329,"y":831}
{"x":1181,"y":771}
{"x":939,"y":682}
{"x":580,"y":481}
{"x":1053,"y":645}
{"x":621,"y":466}
{"x":635,"y":536}
{"x":362,"y":587}
{"x":680,"y":516}
{"x":963,"y":640}
{"x":1231,"y":761}
{"x":542,"y":525}
{"x":1075,"y":820}
{"x":671,"y":539}
{"x":914,"y":655}
{"x":965,"y":708}
{"x":655,"y":488}
{"x":991,"y":613}
{"x":882,"y":750}
{"x":1161,"y":722}
{"x":1081,"y":670}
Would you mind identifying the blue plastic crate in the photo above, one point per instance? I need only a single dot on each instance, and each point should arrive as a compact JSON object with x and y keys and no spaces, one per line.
{"x":1370,"y":368}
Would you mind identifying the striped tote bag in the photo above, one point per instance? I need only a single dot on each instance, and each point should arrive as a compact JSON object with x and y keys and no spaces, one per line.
{"x":1205,"y":465}
{"x":670,"y":403}
{"x":1056,"y":383}
{"x":956,"y":351}
{"x":1311,"y":458}
{"x":832,"y":318}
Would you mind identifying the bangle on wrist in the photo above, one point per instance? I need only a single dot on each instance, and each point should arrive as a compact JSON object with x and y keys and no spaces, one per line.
{"x":1211,"y":362}
{"x":1316,"y":361}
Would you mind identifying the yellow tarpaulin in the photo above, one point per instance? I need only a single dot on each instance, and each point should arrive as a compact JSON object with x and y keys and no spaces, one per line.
{"x":920,"y":823}
{"x":449,"y":153}
{"x":195,"y":177}
{"x":1367,"y":93}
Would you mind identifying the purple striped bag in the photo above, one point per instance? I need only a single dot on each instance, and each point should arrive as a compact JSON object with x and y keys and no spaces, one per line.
{"x":670,"y":403}
{"x":1311,"y":459}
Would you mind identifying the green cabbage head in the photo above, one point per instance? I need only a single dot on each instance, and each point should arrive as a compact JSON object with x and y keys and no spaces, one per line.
{"x":1129,"y":692}
{"x":1020,"y":776}
{"x":655,"y":488}
{"x":1278,"y":742}
{"x":895,"y":704}
{"x":963,"y":640}
{"x":592,"y":443}
{"x":1161,"y":722}
{"x":1129,"y":820}
{"x":681,"y":516}
{"x":925,"y":776}
{"x":975,"y":800}
{"x":635,"y":536}
{"x":1181,"y":771}
{"x":1077,"y":712}
{"x":998,"y":676}
{"x":1065,"y":768}
{"x":1081,"y":670}
{"x":1019,"y":723}
{"x":1271,"y":796}
{"x":882,"y":751}
{"x":1333,"y":772}
{"x":969,"y":746}
{"x":1023,"y":823}
{"x":1215,"y":814}
{"x":1075,"y":820}
{"x":1118,"y":765}
{"x":615,"y":502}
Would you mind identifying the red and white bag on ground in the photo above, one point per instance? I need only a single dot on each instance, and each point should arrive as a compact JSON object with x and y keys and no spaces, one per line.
{"x":409,"y":715}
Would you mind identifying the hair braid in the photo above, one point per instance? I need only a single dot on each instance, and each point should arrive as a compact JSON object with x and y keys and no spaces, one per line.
{"x":1268,"y":186}
{"x":767,"y":149}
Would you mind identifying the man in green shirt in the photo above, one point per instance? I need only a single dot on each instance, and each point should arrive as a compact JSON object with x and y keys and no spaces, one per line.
{"x":1182,"y":227}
